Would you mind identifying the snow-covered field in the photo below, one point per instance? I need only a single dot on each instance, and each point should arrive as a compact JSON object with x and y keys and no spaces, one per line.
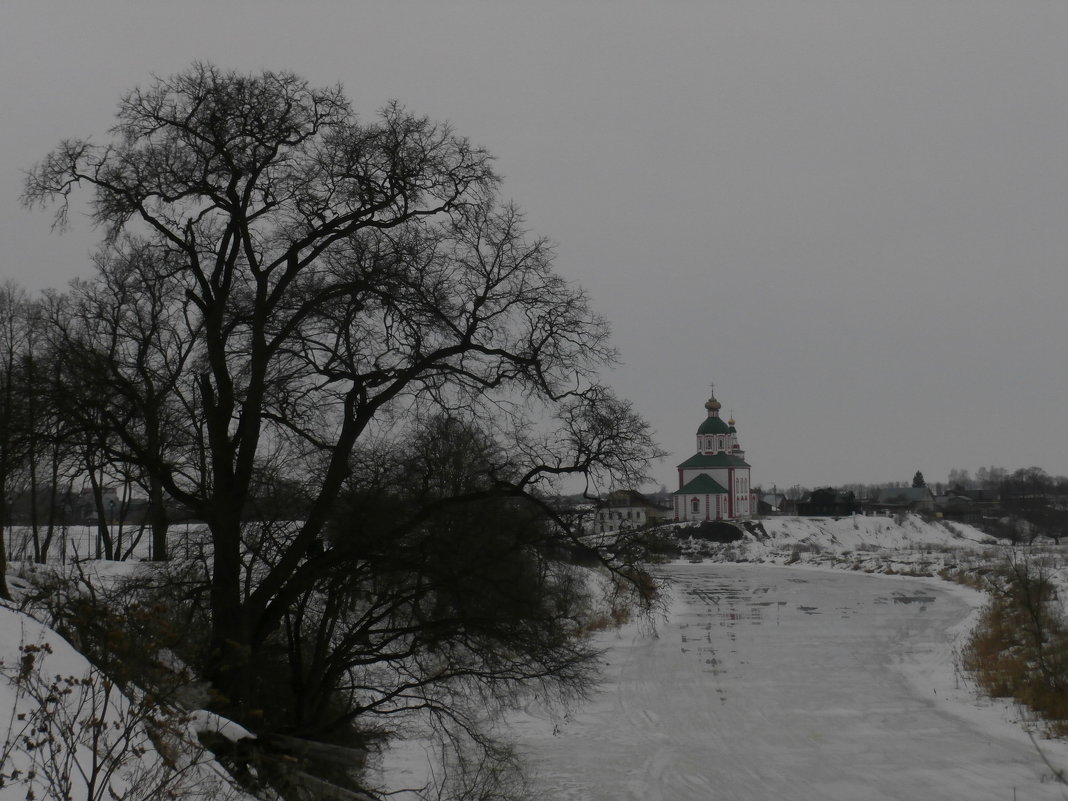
{"x":790,"y":683}
{"x":72,"y":543}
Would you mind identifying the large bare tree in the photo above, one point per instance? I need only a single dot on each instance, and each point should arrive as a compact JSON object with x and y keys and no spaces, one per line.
{"x":320,"y":277}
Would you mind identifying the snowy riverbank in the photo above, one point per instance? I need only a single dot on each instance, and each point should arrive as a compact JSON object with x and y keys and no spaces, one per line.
{"x":910,"y":546}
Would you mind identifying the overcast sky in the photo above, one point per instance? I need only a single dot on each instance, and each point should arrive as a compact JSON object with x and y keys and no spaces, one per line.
{"x":851,"y":216}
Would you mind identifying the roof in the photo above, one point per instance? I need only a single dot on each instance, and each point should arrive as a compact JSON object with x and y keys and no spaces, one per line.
{"x":714,"y":425}
{"x":703,"y":484}
{"x":829,"y":495}
{"x":947,"y":501}
{"x":626,"y":498}
{"x":904,"y":494}
{"x":713,"y":460}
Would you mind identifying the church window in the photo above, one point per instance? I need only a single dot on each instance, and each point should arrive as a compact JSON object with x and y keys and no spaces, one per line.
{"x":695,"y":506}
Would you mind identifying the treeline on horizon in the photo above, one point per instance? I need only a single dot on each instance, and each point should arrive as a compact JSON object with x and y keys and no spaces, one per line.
{"x":994,"y":481}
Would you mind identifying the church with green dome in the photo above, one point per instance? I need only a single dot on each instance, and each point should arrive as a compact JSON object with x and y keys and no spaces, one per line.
{"x":714,"y":482}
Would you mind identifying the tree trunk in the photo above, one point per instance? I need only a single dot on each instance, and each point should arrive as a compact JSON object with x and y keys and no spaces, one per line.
{"x":157,"y":515}
{"x":230,"y":660}
{"x":53,"y":504}
{"x":34,"y":522}
{"x":5,"y":593}
{"x":102,"y":531}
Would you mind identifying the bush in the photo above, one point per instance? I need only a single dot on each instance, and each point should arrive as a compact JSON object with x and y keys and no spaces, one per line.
{"x":716,"y":531}
{"x":661,"y":544}
{"x":1019,"y":649}
{"x":144,"y":631}
{"x":79,"y":736}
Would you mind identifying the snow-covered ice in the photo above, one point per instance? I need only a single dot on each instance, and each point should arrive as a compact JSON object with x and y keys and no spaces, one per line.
{"x":790,"y":683}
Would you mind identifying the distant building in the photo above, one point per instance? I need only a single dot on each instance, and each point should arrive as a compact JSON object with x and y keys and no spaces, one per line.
{"x":714,"y":483}
{"x":828,"y":502}
{"x":958,"y":506}
{"x":627,"y":509}
{"x":771,"y":503}
{"x":891,"y":500}
{"x":83,"y":505}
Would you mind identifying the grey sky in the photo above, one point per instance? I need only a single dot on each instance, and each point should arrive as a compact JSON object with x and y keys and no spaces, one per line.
{"x":851,"y":216}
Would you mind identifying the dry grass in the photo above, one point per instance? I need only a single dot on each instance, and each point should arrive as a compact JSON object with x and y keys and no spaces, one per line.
{"x":1019,"y":648}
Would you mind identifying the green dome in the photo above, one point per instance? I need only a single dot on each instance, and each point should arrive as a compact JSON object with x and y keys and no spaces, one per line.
{"x":713,"y":425}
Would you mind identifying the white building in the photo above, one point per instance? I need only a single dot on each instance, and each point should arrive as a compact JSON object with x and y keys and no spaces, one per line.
{"x":627,"y":509}
{"x":714,"y":482}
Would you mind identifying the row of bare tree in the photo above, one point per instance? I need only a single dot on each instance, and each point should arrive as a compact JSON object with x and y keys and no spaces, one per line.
{"x":54,"y":454}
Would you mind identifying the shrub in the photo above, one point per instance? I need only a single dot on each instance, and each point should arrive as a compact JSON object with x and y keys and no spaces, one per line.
{"x":79,"y":736}
{"x":145,"y":631}
{"x":1019,"y":649}
{"x":718,"y":531}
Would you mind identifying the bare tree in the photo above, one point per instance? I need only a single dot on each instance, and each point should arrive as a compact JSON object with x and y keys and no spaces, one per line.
{"x":429,"y":563}
{"x":14,"y":426}
{"x":959,"y":477}
{"x":124,"y":345}
{"x":328,"y":276}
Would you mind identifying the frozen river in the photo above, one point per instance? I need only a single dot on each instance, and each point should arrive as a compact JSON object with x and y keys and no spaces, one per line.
{"x":788,"y":685}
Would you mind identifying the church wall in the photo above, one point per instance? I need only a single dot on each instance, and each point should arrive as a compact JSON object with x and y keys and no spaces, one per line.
{"x":735,"y":504}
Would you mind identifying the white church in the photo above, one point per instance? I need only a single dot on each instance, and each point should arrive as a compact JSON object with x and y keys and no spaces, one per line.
{"x":714,"y":482}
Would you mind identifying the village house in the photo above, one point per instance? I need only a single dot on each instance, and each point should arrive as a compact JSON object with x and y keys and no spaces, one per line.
{"x":627,"y":509}
{"x":828,"y":502}
{"x":893,"y":500}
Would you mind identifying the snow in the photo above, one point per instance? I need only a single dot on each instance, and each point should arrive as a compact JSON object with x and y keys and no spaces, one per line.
{"x":871,"y":544}
{"x":203,"y":721}
{"x":34,"y":658}
{"x":767,"y":682}
{"x":825,"y":679}
{"x":73,"y":543}
{"x":909,"y":545}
